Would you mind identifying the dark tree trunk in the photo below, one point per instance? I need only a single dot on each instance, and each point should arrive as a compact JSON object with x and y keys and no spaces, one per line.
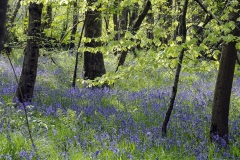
{"x":115,"y":20}
{"x":120,"y":23}
{"x":220,"y":110}
{"x":169,"y":3}
{"x":29,"y":71}
{"x":93,"y":62}
{"x":3,"y":10}
{"x":77,"y":55}
{"x":150,"y":21}
{"x":106,"y":19}
{"x":123,"y":21}
{"x":183,"y":33}
{"x":222,"y":94}
{"x":75,"y":24}
{"x":116,"y":26}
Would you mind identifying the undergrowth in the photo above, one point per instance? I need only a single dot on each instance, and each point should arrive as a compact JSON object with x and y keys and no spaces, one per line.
{"x":123,"y":122}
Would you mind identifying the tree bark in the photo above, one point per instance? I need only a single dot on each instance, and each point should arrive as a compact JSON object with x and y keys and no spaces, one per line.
{"x":93,"y":62}
{"x":3,"y":10}
{"x":183,"y":33}
{"x":27,"y":80}
{"x":222,"y":93}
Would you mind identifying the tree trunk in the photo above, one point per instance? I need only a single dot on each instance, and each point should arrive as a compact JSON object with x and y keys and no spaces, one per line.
{"x":77,"y":55}
{"x":134,"y":29}
{"x":120,"y":23}
{"x":93,"y":62}
{"x":3,"y":10}
{"x":48,"y":17}
{"x":134,"y":14}
{"x":12,"y":18}
{"x":183,"y":33}
{"x":75,"y":24}
{"x":65,"y":25}
{"x":222,"y":93}
{"x":150,"y":21}
{"x":123,"y":21}
{"x":29,"y":71}
{"x":115,"y":21}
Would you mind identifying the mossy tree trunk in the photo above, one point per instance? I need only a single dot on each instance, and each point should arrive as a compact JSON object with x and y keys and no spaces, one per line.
{"x":29,"y":70}
{"x":93,"y":62}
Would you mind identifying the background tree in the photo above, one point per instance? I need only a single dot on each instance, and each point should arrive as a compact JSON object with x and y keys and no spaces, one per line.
{"x":93,"y":62}
{"x":136,"y":25}
{"x":150,"y":21}
{"x":3,"y":10}
{"x":29,"y":69}
{"x":75,"y":24}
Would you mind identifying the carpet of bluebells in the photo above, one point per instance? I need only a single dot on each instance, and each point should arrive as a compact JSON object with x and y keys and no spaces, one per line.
{"x":106,"y":123}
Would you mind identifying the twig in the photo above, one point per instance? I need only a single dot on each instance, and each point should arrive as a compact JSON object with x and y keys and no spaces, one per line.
{"x":76,"y":63}
{"x":24,"y":105}
{"x":208,"y":12}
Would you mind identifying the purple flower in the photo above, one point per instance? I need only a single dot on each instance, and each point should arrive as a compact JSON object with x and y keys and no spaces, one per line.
{"x":23,"y":154}
{"x":226,"y":154}
{"x":54,"y":132}
{"x":97,"y":152}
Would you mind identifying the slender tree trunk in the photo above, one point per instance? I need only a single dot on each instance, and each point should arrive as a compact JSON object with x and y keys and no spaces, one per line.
{"x":65,"y":26}
{"x":115,"y":21}
{"x":75,"y":24}
{"x":134,"y":14}
{"x":29,"y":71}
{"x":106,"y":19}
{"x":10,"y":21}
{"x":116,"y":26}
{"x":12,"y":18}
{"x":123,"y":21}
{"x":150,"y":21}
{"x":183,"y":32}
{"x":93,"y":62}
{"x":134,"y":29}
{"x":76,"y":61}
{"x":49,"y":17}
{"x":222,"y":94}
{"x":120,"y":23}
{"x":3,"y":10}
